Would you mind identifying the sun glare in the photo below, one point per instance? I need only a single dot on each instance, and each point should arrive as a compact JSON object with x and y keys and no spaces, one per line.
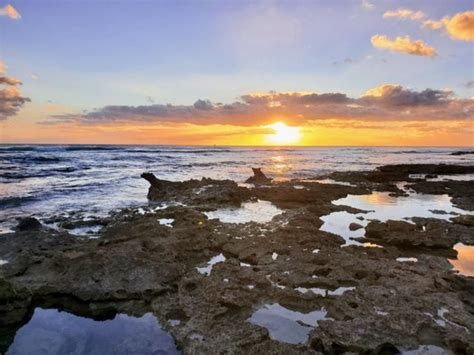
{"x":283,"y":134}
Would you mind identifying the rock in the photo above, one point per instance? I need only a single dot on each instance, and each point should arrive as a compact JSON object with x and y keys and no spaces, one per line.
{"x":355,"y":226}
{"x":374,"y":303}
{"x":258,"y":177}
{"x":465,"y":220}
{"x":437,"y":234}
{"x":28,"y":223}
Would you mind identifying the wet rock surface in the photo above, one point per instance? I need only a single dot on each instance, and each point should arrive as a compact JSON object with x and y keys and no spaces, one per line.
{"x":374,"y":302}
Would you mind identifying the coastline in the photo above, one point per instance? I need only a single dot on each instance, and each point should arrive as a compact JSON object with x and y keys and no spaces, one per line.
{"x":373,"y":295}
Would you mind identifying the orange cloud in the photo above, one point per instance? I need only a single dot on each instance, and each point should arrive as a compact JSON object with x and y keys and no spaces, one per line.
{"x":459,"y":27}
{"x":403,"y":45}
{"x":10,"y":12}
{"x":405,"y":14}
{"x":385,"y":103}
{"x":10,"y":98}
{"x":433,"y":24}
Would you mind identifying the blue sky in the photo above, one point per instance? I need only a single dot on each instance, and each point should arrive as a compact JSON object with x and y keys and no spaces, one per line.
{"x":346,"y":72}
{"x":93,"y":53}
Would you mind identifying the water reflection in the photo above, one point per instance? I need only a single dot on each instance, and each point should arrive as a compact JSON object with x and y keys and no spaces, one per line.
{"x":260,"y":212}
{"x":381,"y":206}
{"x":53,"y":332}
{"x":464,"y":264}
{"x":286,"y":325}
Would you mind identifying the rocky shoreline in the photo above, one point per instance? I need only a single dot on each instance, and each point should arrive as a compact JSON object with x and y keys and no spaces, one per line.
{"x":394,"y":297}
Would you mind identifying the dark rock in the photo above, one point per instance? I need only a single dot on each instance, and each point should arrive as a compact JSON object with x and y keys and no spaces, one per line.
{"x":465,"y":220}
{"x":355,"y":226}
{"x":258,"y":177}
{"x":28,"y":223}
{"x":138,"y":264}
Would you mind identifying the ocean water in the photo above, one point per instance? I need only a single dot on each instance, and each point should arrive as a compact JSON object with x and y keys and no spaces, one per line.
{"x":92,"y":180}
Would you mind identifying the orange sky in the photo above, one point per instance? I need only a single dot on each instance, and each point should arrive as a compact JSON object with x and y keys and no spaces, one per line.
{"x":24,"y":128}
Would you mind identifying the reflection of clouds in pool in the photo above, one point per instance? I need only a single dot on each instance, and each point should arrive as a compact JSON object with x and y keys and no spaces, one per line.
{"x":259,"y":211}
{"x":53,"y":332}
{"x":464,"y":263}
{"x":383,"y":207}
{"x":286,"y":325}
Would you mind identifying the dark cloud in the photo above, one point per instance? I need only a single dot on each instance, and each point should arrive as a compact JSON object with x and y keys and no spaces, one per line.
{"x":11,"y":100}
{"x":205,"y":105}
{"x":397,"y":96}
{"x":386,"y":102}
{"x":469,"y":84}
{"x":5,"y":80}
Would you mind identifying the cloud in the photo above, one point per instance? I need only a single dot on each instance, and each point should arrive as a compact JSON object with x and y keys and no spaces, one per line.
{"x":404,"y":14}
{"x":392,"y":95}
{"x":2,"y":68}
{"x":10,"y":12}
{"x":403,"y":45}
{"x":5,"y":80}
{"x":433,"y":24}
{"x":459,"y":27}
{"x":367,"y":5}
{"x":469,"y":84}
{"x":11,"y":100}
{"x":384,"y":103}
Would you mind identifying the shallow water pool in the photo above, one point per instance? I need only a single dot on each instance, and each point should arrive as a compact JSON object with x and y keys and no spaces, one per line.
{"x":286,"y":325}
{"x":54,"y":332}
{"x":259,"y":211}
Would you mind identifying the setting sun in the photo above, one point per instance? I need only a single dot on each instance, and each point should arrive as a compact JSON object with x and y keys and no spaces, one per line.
{"x":283,"y":134}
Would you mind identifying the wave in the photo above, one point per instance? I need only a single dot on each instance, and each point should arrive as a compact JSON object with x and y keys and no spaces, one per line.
{"x":9,"y":149}
{"x":91,"y":147}
{"x":15,"y":201}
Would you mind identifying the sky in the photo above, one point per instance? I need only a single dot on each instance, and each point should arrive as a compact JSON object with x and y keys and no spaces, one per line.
{"x":348,"y":72}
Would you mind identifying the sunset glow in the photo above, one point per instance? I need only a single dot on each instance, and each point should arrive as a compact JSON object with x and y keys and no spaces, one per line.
{"x":284,"y":135}
{"x":349,"y":73}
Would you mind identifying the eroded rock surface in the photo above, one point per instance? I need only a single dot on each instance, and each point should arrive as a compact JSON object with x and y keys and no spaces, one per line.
{"x":374,"y":301}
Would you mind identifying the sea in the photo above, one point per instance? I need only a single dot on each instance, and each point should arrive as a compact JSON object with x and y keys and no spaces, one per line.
{"x":93,"y":180}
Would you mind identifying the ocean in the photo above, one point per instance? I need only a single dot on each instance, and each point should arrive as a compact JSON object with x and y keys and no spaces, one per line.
{"x":92,"y":180}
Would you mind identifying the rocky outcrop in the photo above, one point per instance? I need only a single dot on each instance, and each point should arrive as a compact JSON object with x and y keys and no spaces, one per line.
{"x":374,"y":302}
{"x":258,"y":178}
{"x":28,"y":223}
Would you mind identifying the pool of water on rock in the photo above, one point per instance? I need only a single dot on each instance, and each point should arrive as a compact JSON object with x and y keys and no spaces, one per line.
{"x":54,"y":332}
{"x":286,"y":325}
{"x":464,"y":263}
{"x":381,"y":206}
{"x":259,"y":211}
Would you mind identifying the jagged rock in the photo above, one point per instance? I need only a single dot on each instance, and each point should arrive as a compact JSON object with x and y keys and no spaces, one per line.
{"x":138,"y":265}
{"x":258,"y":177}
{"x":28,"y":223}
{"x":355,"y":226}
{"x":465,"y":220}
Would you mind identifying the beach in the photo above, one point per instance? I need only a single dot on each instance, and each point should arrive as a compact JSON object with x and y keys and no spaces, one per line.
{"x":356,"y":260}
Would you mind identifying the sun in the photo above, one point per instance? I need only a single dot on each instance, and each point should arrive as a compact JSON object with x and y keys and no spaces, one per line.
{"x":284,"y":135}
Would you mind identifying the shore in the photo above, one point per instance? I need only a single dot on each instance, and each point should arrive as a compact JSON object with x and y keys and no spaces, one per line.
{"x":282,"y":284}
